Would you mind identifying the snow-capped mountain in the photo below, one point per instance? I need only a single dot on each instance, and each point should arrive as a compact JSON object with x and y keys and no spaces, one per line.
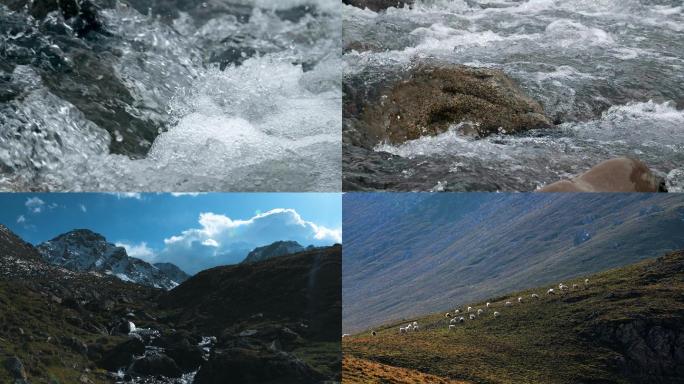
{"x":172,"y":271}
{"x":85,"y":250}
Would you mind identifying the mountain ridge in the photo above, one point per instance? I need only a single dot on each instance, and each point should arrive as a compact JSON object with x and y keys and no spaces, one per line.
{"x":85,"y":250}
{"x":433,"y":250}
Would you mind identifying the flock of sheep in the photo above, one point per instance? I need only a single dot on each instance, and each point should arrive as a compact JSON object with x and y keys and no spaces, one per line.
{"x":473,"y":313}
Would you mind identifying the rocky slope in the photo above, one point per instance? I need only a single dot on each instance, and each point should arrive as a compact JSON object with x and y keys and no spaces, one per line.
{"x":278,"y":248}
{"x":407,"y":254}
{"x":625,"y":326}
{"x":67,"y":326}
{"x":285,"y":311}
{"x":84,"y":250}
{"x":172,"y":271}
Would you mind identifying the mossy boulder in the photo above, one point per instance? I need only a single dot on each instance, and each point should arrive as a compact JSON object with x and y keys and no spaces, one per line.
{"x":431,"y":99}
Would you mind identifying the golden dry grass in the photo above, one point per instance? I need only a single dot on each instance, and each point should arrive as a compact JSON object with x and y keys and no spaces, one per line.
{"x":356,"y":370}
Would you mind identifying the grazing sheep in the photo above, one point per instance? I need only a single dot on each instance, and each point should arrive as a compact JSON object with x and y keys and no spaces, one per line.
{"x":496,"y":314}
{"x":453,"y":321}
{"x":403,"y":330}
{"x":456,"y":312}
{"x":535,"y":296}
{"x":586,"y":282}
{"x":451,"y":326}
{"x":469,"y":309}
{"x":480,"y":311}
{"x":447,"y":314}
{"x":416,"y":328}
{"x":519,"y":299}
{"x":373,"y":333}
{"x":563,"y":287}
{"x":472,"y":316}
{"x":550,"y":292}
{"x":488,"y":304}
{"x":508,"y":304}
{"x":461,"y":319}
{"x":415,"y":323}
{"x":345,"y":335}
{"x":575,"y":286}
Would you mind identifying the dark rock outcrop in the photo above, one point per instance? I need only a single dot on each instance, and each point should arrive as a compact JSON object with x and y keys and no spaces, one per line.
{"x":652,"y":350}
{"x":122,"y":355}
{"x":247,"y":366}
{"x":430,"y":99}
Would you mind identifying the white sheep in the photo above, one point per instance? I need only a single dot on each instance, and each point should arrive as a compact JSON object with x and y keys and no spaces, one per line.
{"x":508,"y":304}
{"x":345,"y":335}
{"x":415,"y":323}
{"x":402,"y":330}
{"x":575,"y":286}
{"x":456,"y":312}
{"x":451,"y":326}
{"x":373,"y":333}
{"x":550,"y":292}
{"x":563,"y":287}
{"x":472,"y":316}
{"x":461,"y":319}
{"x":447,"y":314}
{"x":453,"y":321}
{"x":416,"y":328}
{"x":488,"y":304}
{"x":519,"y":299}
{"x":480,"y":311}
{"x":469,"y":309}
{"x":496,"y":314}
{"x":586,"y":281}
{"x":535,"y":296}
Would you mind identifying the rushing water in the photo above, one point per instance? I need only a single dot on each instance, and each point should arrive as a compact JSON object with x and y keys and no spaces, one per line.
{"x":267,"y":120}
{"x":610,"y":73}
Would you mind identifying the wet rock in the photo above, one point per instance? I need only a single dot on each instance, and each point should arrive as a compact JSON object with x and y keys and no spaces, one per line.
{"x":179,"y":346}
{"x":156,"y":364}
{"x":122,"y":355}
{"x":615,"y":175}
{"x":16,"y":370}
{"x":430,"y":99}
{"x":378,"y":5}
{"x":255,"y":366}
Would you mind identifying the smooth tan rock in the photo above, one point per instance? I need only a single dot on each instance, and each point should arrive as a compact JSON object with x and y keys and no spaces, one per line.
{"x":615,"y":175}
{"x":434,"y":98}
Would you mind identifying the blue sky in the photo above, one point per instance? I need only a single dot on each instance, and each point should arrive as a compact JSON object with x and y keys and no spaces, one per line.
{"x":194,"y":231}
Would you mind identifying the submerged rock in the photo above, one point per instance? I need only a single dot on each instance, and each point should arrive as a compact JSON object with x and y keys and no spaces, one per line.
{"x":377,"y":5}
{"x":430,"y":99}
{"x":156,"y":364}
{"x":615,"y":175}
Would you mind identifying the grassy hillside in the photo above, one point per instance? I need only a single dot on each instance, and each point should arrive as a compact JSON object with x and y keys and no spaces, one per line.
{"x":407,"y":255}
{"x":626,"y":326}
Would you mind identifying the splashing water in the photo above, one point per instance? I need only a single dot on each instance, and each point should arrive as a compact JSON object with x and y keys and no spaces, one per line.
{"x":268,"y":120}
{"x":608,"y":72}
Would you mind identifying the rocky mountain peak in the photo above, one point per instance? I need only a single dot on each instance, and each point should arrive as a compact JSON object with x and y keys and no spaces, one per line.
{"x":278,"y":248}
{"x":85,"y":250}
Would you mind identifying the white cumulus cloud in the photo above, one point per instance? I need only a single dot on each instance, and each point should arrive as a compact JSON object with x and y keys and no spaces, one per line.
{"x":34,"y":204}
{"x":140,"y":251}
{"x":220,"y":240}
